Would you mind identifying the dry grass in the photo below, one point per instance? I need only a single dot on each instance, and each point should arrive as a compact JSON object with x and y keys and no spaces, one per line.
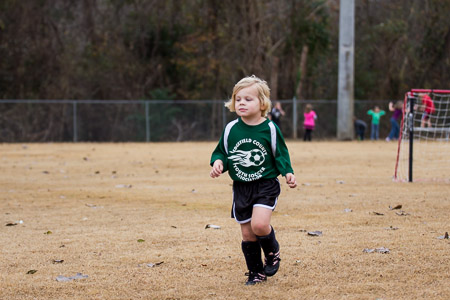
{"x":81,"y":193}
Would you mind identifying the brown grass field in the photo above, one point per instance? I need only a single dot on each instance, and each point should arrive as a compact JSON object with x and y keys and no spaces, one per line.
{"x":109,"y":210}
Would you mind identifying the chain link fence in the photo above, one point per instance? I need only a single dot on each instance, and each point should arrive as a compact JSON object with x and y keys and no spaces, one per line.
{"x":155,"y":120}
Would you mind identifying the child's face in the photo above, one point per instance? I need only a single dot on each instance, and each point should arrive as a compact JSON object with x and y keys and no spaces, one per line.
{"x":376,"y":109}
{"x":247,"y":104}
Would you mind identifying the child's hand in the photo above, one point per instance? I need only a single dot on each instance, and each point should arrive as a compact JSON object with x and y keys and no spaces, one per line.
{"x":217,"y":169}
{"x":290,"y":180}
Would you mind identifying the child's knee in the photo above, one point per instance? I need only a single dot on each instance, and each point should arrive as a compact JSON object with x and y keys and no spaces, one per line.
{"x":260,"y":228}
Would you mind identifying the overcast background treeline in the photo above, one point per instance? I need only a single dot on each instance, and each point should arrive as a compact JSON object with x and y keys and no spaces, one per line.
{"x":133,"y":49}
{"x":198,"y":49}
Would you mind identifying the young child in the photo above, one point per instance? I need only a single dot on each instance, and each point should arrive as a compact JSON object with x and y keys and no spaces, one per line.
{"x":309,"y":122}
{"x":428,"y":109}
{"x":360,"y":128}
{"x":254,"y":153}
{"x":397,"y":114}
{"x":376,"y":114}
{"x":276,"y":113}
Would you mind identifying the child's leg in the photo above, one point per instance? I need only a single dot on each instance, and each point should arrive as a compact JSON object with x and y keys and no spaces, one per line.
{"x":259,"y":225}
{"x":252,"y":254}
{"x":266,"y":236}
{"x":307,"y":135}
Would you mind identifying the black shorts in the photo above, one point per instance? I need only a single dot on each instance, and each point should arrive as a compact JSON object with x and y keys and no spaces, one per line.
{"x":246,"y":195}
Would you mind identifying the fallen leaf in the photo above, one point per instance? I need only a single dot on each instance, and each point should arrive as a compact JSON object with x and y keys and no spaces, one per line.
{"x":48,"y":232}
{"x":315,"y":233}
{"x":381,"y":250}
{"x":120,"y":186}
{"x":212,"y":226}
{"x":61,"y":278}
{"x":11,"y":224}
{"x":391,"y":228}
{"x":58,"y":261}
{"x":93,"y":205}
{"x":445,"y":236}
{"x":377,"y":213}
{"x":395,"y":207}
{"x":31,"y":271}
{"x":151,"y":265}
{"x":402,"y":213}
{"x":140,"y":240}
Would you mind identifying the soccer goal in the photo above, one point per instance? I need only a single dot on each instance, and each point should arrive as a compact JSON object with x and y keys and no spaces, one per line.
{"x":423,"y":146}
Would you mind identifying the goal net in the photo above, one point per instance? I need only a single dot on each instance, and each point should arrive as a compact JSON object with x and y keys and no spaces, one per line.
{"x":423,"y":146}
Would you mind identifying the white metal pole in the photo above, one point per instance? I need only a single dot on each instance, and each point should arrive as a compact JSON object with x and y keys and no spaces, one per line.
{"x":147,"y":122}
{"x":294,"y":117}
{"x":345,"y":130}
{"x":75,"y":129}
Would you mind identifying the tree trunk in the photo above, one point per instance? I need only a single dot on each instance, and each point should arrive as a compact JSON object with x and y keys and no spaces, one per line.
{"x":274,"y":78}
{"x":301,"y":82}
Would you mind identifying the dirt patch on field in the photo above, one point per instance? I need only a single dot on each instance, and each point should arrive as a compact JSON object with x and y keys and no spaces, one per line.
{"x":132,"y":218}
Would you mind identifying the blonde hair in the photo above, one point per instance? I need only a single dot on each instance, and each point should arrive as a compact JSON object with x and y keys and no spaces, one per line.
{"x":262,"y":89}
{"x":308,"y":108}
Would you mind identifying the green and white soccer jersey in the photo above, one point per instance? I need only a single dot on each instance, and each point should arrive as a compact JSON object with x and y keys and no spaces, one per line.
{"x":252,"y":152}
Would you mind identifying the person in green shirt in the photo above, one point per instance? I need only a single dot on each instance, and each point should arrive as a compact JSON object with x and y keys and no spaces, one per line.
{"x":253,"y":151}
{"x":376,"y":114}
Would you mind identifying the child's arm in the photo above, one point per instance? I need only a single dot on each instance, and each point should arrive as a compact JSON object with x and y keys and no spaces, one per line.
{"x":391,"y":106}
{"x":217,"y":169}
{"x":290,"y":180}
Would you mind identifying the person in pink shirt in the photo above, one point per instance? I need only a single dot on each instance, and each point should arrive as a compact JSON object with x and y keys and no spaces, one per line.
{"x":309,"y":122}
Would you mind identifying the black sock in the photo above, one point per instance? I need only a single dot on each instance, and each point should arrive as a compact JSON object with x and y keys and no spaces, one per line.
{"x":252,"y":254}
{"x":269,"y":243}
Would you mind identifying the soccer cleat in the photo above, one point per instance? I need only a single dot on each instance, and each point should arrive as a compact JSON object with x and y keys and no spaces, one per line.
{"x":254,"y":278}
{"x":272,"y":263}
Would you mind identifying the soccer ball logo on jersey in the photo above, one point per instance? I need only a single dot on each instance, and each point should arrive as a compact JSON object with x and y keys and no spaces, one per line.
{"x":248,"y":158}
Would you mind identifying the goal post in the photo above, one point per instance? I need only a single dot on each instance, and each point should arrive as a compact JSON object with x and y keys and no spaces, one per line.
{"x":423,"y":144}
